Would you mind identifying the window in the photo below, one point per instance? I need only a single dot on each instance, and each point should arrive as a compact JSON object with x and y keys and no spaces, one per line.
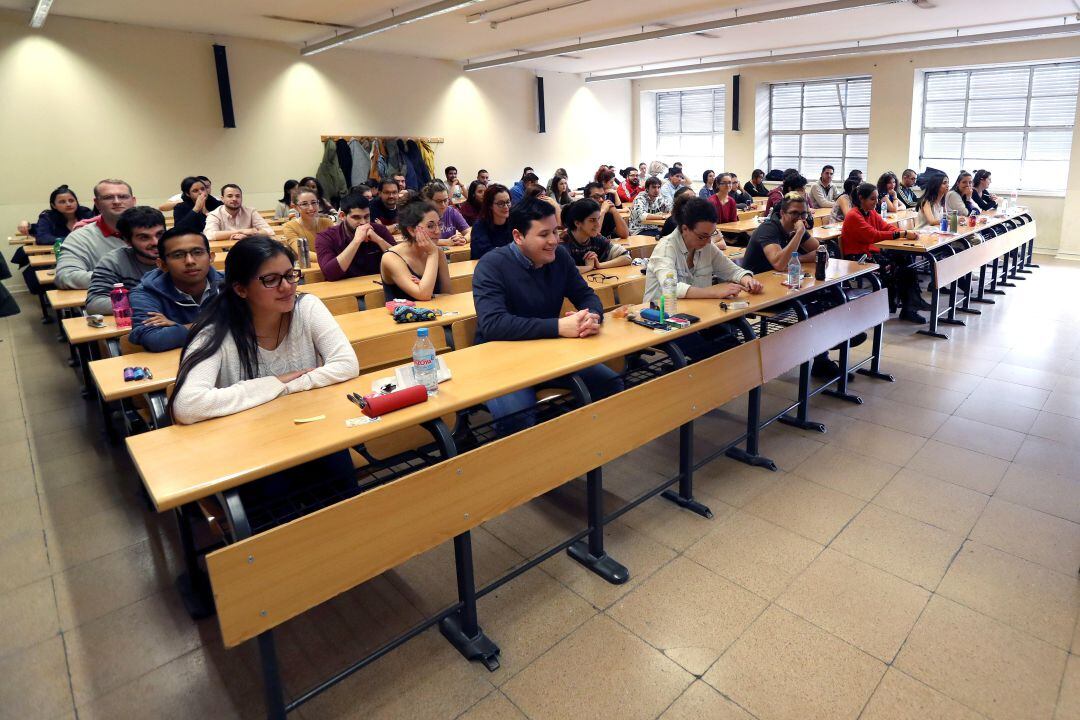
{"x":1016,"y":122}
{"x":818,"y":123}
{"x":690,"y":128}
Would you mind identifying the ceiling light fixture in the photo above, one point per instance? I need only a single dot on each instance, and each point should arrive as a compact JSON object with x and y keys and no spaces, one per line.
{"x":40,"y":13}
{"x":952,"y":40}
{"x":422,"y":13}
{"x":785,"y":14}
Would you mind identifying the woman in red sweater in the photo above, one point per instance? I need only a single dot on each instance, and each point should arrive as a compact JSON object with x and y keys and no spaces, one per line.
{"x":726,"y":209}
{"x":863,"y":227}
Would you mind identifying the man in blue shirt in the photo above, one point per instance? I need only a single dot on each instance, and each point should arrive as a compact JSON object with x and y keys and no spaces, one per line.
{"x":675,"y":181}
{"x":528,"y":180}
{"x":518,"y":291}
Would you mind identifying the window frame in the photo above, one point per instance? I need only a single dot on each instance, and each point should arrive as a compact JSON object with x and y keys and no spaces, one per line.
{"x":718,"y":121}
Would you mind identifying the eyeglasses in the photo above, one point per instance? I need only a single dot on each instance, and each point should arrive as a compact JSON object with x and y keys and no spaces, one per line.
{"x":501,"y":203}
{"x":308,"y":204}
{"x":274,"y":280}
{"x":705,"y":238}
{"x":195,"y":253}
{"x":600,"y":277}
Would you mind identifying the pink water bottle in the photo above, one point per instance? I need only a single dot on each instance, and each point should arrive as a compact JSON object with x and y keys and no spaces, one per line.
{"x":121,"y":305}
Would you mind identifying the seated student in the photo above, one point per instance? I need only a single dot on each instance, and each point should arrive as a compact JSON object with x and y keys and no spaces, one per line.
{"x":606,"y":178}
{"x":195,"y":204}
{"x":474,"y":199}
{"x":980,"y":193}
{"x":844,"y":202}
{"x":682,"y":195}
{"x":793,"y":183}
{"x":822,"y":192}
{"x":959,"y":198}
{"x":648,"y":205}
{"x":361,"y":189}
{"x":931,"y":205}
{"x":258,"y":340}
{"x":492,"y":229}
{"x":643,"y":172}
{"x":141,"y":227}
{"x":887,"y":190}
{"x":85,"y":246}
{"x":519,"y":290}
{"x":57,"y":222}
{"x":355,"y":246}
{"x":863,"y":227}
{"x":630,"y":187}
{"x":415,"y":268}
{"x":308,"y":225}
{"x":583,"y":240}
{"x":908,"y":192}
{"x":528,"y":179}
{"x":726,"y":210}
{"x":558,"y":189}
{"x":171,"y":296}
{"x":755,"y":186}
{"x":453,"y":230}
{"x":674,"y":182}
{"x":384,"y":208}
{"x":234,"y":221}
{"x":483,"y":176}
{"x":538,"y":191}
{"x":178,"y":198}
{"x":743,"y":201}
{"x":708,"y":180}
{"x":612,"y":224}
{"x":453,"y":185}
{"x":287,"y":201}
{"x":325,"y":206}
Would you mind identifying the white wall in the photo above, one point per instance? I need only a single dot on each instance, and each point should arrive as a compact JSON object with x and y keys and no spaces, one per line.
{"x":87,"y":100}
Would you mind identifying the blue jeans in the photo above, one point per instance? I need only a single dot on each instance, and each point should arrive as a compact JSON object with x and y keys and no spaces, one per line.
{"x":599,"y":379}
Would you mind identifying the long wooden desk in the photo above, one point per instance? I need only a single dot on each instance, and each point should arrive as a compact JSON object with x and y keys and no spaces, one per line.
{"x":34,"y":249}
{"x":66,"y":299}
{"x":20,"y":240}
{"x":45,"y":278}
{"x":42,"y":260}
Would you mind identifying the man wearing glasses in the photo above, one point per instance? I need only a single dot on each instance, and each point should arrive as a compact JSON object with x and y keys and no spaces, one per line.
{"x":84,"y":248}
{"x":169,"y":298}
{"x":141,"y":227}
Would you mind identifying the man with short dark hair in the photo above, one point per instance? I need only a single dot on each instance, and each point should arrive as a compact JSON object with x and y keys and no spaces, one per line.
{"x":453,"y":184}
{"x":83,"y":248}
{"x":355,"y":246}
{"x":909,"y":192}
{"x":483,"y":176}
{"x":648,"y":205}
{"x":234,"y":221}
{"x":822,"y":192}
{"x":384,"y":208}
{"x":612,"y":225}
{"x":519,"y":290}
{"x":674,"y":182}
{"x":141,"y":227}
{"x":528,"y":181}
{"x":170,"y":297}
{"x":743,"y":201}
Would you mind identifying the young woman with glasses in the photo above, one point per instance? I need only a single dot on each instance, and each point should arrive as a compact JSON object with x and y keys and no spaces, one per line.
{"x":492,"y":230}
{"x":308,"y":225}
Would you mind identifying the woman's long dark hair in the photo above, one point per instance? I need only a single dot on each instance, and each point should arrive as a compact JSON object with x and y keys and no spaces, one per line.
{"x":562,"y":198}
{"x":62,"y":190}
{"x":933,"y":189}
{"x":286,"y":196}
{"x":470,"y":197}
{"x":883,"y":182}
{"x":228,"y":314}
{"x":411,"y":215}
{"x":956,"y":184}
{"x":185,"y":187}
{"x":486,"y":208}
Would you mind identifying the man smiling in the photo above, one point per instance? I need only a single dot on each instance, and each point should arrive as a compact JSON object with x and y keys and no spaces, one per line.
{"x":141,"y":227}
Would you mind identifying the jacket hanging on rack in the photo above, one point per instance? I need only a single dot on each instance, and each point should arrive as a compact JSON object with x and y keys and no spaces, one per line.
{"x":361,"y":161}
{"x":344,"y":158}
{"x":395,"y":162}
{"x":416,"y":166}
{"x":329,"y":174}
{"x":428,"y":153}
{"x":377,"y":162}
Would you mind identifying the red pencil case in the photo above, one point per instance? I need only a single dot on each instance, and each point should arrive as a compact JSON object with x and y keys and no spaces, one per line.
{"x":381,"y":404}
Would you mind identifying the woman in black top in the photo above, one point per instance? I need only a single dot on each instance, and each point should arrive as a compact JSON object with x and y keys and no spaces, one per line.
{"x":56,"y":222}
{"x":419,"y":225}
{"x":190,"y":213}
{"x":492,"y":230}
{"x":980,"y":192}
{"x":754,"y":187}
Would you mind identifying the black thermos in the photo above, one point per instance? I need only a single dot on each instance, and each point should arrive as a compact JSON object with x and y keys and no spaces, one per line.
{"x":822,"y":262}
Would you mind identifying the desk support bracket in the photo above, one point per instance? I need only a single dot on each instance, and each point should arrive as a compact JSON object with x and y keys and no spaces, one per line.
{"x":684,"y":496}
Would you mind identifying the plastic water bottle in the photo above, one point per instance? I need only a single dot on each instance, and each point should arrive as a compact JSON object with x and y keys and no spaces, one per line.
{"x":884,"y":209}
{"x":944,"y":220}
{"x":425,"y":366}
{"x":794,"y":271}
{"x":121,"y":305}
{"x":669,"y":289}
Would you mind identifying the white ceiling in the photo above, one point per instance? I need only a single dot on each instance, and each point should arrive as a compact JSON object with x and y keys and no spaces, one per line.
{"x":451,"y":37}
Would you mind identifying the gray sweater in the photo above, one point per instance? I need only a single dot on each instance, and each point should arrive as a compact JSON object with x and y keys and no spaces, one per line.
{"x":118,"y":266}
{"x":80,"y":253}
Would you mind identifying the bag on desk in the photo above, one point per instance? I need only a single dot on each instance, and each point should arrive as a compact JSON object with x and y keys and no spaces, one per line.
{"x":408,"y":314}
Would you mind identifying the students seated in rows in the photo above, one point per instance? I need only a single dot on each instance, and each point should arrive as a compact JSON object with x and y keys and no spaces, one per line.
{"x":355,"y":246}
{"x":57,"y":222}
{"x":612,"y":224}
{"x":743,"y":201}
{"x":708,"y":179}
{"x":141,"y":227}
{"x":234,"y":221}
{"x":171,"y":296}
{"x":755,"y":186}
{"x":453,"y":185}
{"x":682,"y":195}
{"x":325,"y":206}
{"x":84,"y":247}
{"x":863,"y":227}
{"x":558,"y":189}
{"x":179,"y":197}
{"x":196,"y":203}
{"x":674,"y":182}
{"x":721,"y":200}
{"x":492,"y":230}
{"x":519,"y":291}
{"x":648,"y":205}
{"x":474,"y":200}
{"x":931,"y":205}
{"x":908,"y":192}
{"x":822,"y":192}
{"x":887,"y":191}
{"x":287,"y":202}
{"x":630,"y":187}
{"x":384,"y":208}
{"x":583,"y":240}
{"x":308,"y":225}
{"x":415,"y":268}
{"x":980,"y":192}
{"x":606,"y":178}
{"x":959,"y":197}
{"x":844,"y":202}
{"x":528,"y":180}
{"x":453,"y":230}
{"x":793,"y":183}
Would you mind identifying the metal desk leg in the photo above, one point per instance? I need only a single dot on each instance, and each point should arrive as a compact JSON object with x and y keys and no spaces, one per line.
{"x":874,"y":370}
{"x":981,"y":297}
{"x":841,"y":390}
{"x":590,"y":550}
{"x":193,"y":584}
{"x":994,"y":279}
{"x":800,"y":420}
{"x":965,"y":307}
{"x":935,"y":310}
{"x":950,"y":318}
{"x":750,"y":455}
{"x":462,"y":628}
{"x":1004,"y":282}
{"x":684,"y":497}
{"x":1031,"y":254}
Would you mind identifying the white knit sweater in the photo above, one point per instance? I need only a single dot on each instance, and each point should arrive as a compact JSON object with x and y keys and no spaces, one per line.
{"x":214,"y":387}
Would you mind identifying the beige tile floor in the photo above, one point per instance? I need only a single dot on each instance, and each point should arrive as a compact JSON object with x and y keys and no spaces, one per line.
{"x":918,"y":561}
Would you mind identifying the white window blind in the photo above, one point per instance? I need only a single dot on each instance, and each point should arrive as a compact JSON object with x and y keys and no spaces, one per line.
{"x":818,"y":123}
{"x":1016,"y":121}
{"x":690,"y":128}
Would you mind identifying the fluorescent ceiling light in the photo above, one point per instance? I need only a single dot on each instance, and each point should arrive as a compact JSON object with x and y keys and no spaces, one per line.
{"x":423,"y":13}
{"x":40,"y":13}
{"x":785,"y":14}
{"x":950,"y":41}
